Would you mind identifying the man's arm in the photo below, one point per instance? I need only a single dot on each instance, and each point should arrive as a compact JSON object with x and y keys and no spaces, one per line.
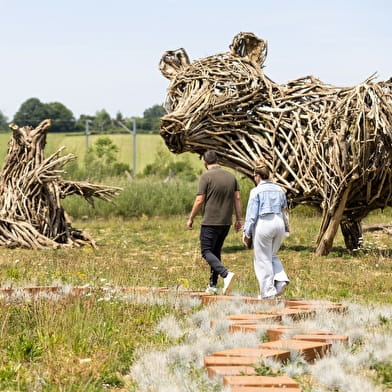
{"x":198,"y":203}
{"x":238,"y":211}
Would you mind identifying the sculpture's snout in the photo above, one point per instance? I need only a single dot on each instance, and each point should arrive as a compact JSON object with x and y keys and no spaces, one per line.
{"x":173,"y":131}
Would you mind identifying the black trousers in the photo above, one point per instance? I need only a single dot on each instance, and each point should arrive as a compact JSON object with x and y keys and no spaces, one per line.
{"x":211,"y":242}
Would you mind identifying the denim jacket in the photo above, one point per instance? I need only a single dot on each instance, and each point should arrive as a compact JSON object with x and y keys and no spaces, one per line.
{"x":265,"y":198}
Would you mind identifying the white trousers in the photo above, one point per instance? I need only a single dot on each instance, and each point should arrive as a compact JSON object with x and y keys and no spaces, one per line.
{"x":268,"y":237}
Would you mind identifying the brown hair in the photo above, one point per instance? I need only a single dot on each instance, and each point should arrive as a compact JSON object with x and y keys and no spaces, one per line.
{"x":210,"y":157}
{"x":263,"y":171}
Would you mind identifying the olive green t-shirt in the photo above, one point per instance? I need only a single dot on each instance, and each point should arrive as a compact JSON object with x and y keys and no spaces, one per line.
{"x":218,"y":185}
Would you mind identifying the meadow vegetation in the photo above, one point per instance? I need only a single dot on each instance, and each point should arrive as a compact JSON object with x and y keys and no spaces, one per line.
{"x":108,"y":340}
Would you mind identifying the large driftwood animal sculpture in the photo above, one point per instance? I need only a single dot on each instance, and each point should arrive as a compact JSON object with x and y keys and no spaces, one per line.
{"x":31,"y":188}
{"x":329,"y":147}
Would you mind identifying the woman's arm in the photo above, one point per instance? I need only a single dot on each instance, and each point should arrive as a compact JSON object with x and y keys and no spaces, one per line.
{"x":252,"y":212}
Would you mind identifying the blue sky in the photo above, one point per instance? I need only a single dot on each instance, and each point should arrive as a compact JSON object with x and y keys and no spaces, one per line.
{"x":93,"y":55}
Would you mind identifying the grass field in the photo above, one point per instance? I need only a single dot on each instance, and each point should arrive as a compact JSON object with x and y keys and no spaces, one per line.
{"x":90,"y":343}
{"x":146,"y":147}
{"x":161,"y":252}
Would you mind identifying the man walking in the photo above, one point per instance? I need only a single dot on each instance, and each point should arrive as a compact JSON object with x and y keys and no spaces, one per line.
{"x":219,"y":195}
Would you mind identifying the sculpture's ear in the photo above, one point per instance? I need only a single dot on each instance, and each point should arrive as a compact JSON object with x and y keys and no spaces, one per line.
{"x":172,"y":62}
{"x":249,"y":46}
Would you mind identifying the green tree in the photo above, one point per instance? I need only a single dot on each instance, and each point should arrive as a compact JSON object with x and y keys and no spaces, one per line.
{"x":106,"y":150}
{"x":164,"y":166}
{"x":102,"y":121}
{"x":62,"y":118}
{"x":31,"y":112}
{"x":3,"y":122}
{"x":101,"y":160}
{"x":80,"y":125}
{"x":152,"y":117}
{"x":154,"y":111}
{"x":119,"y":117}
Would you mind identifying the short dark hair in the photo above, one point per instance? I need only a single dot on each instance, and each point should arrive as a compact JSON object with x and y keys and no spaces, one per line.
{"x":210,"y":157}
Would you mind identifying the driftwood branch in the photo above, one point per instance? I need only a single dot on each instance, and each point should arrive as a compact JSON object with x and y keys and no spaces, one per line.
{"x":31,"y":189}
{"x":386,"y":228}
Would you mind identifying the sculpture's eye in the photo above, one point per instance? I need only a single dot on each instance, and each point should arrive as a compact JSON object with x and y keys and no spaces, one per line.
{"x":219,"y":88}
{"x":179,"y":89}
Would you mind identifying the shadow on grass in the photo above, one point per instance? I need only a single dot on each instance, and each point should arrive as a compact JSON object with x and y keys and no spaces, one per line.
{"x":336,"y":251}
{"x":387,"y":253}
{"x":233,"y":249}
{"x":339,"y":251}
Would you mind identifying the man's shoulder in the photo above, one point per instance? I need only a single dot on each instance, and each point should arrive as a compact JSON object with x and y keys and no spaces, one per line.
{"x":224,"y":172}
{"x":217,"y":171}
{"x":219,"y":175}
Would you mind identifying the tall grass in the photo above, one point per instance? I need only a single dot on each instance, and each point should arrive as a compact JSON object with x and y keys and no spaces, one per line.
{"x":74,"y":343}
{"x":138,"y":198}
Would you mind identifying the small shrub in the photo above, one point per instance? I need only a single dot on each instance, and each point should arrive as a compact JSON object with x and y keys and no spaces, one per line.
{"x":265,"y":369}
{"x":165,"y":166}
{"x":25,"y":348}
{"x":100,"y":162}
{"x":383,"y":372}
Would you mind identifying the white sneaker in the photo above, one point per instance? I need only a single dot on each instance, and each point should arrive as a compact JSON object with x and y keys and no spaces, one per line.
{"x":228,"y":282}
{"x":280,"y":287}
{"x":270,"y":297}
{"x":212,"y":290}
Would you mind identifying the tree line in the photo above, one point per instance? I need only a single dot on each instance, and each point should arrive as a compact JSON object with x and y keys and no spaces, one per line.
{"x":33,"y":111}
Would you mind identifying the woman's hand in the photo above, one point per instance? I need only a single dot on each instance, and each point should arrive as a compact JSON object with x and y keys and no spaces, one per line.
{"x":246,"y":241}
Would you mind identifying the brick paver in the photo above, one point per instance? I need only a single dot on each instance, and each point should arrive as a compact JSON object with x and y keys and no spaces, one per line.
{"x":238,"y":326}
{"x":322,"y":338}
{"x":278,"y":332}
{"x":255,"y":316}
{"x":309,"y":350}
{"x":264,"y":389}
{"x":260,"y":381}
{"x":220,"y":371}
{"x":213,"y":360}
{"x":254,"y":352}
{"x":316,"y":305}
{"x":296,"y":313}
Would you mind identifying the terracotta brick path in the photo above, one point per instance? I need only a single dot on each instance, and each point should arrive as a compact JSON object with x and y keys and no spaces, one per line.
{"x":311,"y":344}
{"x":237,"y":367}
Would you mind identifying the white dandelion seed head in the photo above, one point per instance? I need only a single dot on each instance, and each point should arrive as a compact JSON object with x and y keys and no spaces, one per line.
{"x":170,"y":326}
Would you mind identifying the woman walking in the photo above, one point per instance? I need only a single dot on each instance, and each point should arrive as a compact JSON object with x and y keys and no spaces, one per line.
{"x":265,"y":225}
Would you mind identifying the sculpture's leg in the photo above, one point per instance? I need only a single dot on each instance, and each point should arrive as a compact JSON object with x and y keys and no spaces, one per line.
{"x":352,"y":234}
{"x":330,"y":225}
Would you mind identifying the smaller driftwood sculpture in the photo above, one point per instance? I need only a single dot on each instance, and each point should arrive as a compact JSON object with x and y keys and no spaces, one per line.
{"x":329,"y":147}
{"x":31,"y":188}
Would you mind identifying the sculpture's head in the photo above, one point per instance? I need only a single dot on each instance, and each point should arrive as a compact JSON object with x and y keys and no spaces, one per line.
{"x":208,"y":90}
